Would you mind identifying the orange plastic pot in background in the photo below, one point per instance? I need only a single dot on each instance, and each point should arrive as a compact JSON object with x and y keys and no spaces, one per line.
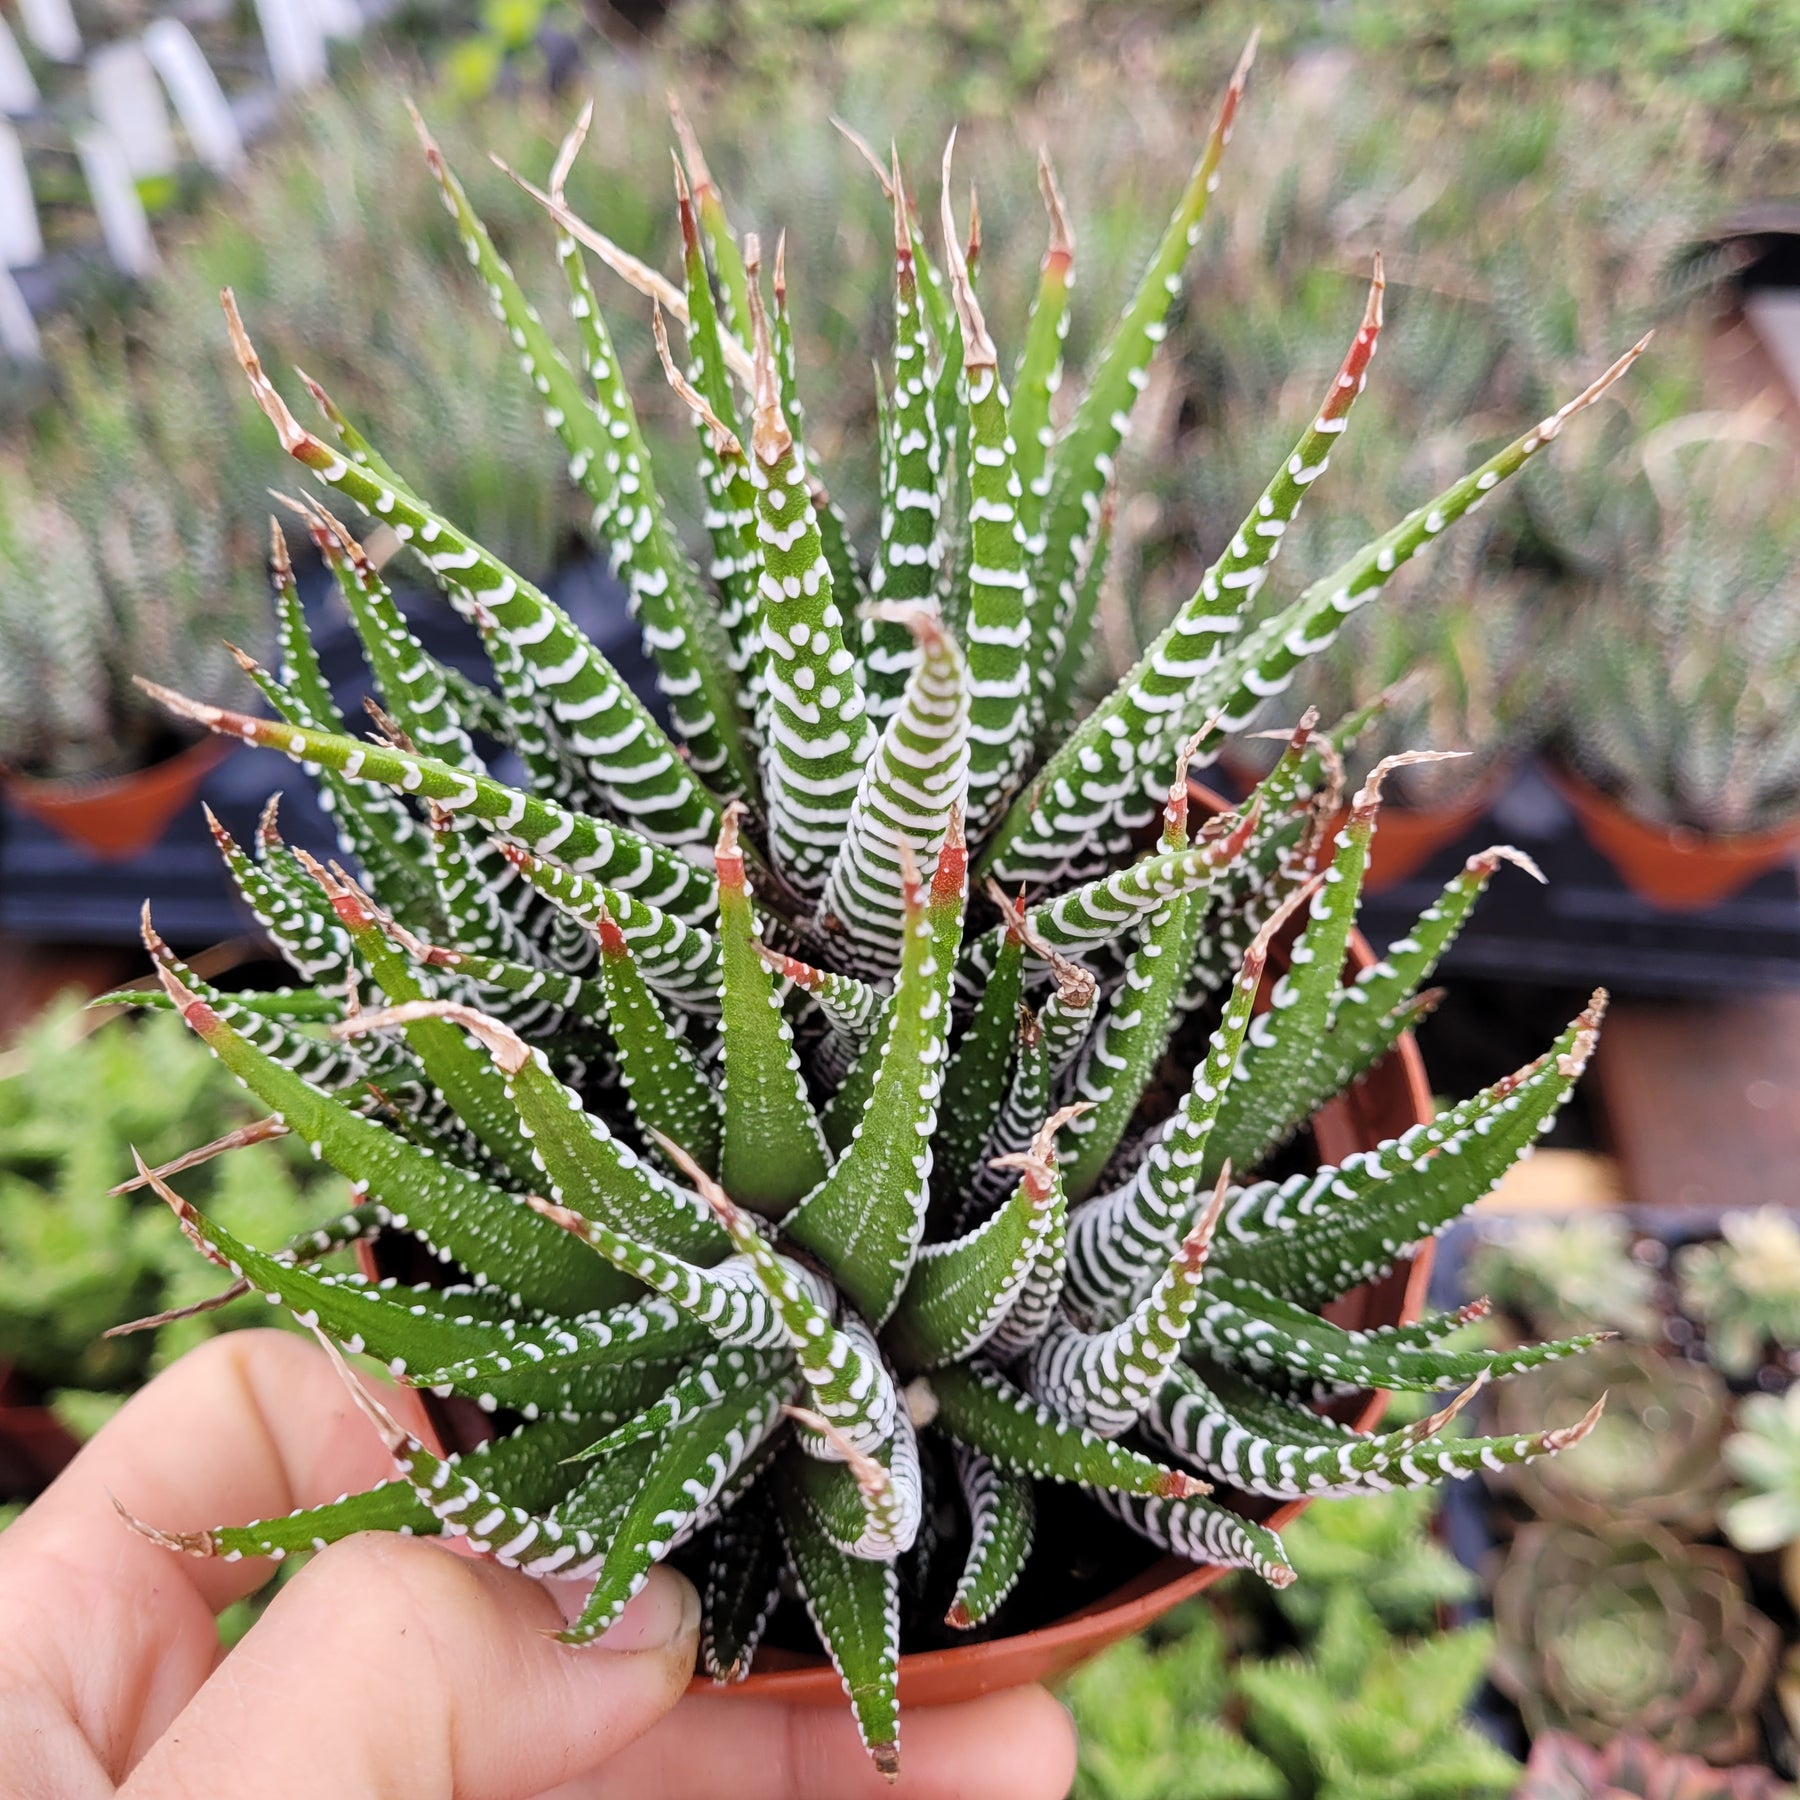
{"x":1676,"y":870}
{"x":119,"y":818}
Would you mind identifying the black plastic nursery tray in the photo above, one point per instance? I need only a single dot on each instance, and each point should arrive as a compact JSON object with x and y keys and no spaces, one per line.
{"x":55,"y":891}
{"x":1584,"y":927}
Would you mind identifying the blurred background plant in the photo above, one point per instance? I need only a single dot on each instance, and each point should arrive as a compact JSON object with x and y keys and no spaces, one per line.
{"x":1744,"y":1288}
{"x":1681,"y":667}
{"x":1355,"y":1692}
{"x":1551,"y":1273}
{"x":1604,"y":1634}
{"x":1764,"y":1455}
{"x":115,"y":560}
{"x":1654,"y":1456}
{"x":76,"y":1095}
{"x":1562,"y":1767}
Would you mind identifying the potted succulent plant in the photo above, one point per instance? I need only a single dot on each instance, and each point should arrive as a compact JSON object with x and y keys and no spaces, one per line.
{"x":1632,"y":1767}
{"x":823,"y":1207}
{"x":1602,"y":1634}
{"x":1677,"y":741}
{"x":1743,"y":1289}
{"x":110,"y":565}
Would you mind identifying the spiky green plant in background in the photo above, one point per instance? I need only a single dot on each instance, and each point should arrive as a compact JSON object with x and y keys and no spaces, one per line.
{"x":111,"y":564}
{"x":809,"y":1207}
{"x":1685,"y":658}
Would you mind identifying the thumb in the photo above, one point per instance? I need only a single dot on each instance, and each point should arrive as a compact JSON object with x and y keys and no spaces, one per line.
{"x":390,"y":1666}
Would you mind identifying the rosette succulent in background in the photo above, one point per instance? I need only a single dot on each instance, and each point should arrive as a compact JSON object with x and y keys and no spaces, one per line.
{"x":1744,"y":1288}
{"x":1581,"y":1267}
{"x":1654,"y":1457}
{"x":1764,"y":1454}
{"x":1562,"y":1767}
{"x":1600,"y":1635}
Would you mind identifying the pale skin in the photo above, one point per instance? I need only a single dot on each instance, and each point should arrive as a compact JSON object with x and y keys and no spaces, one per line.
{"x":388,"y":1666}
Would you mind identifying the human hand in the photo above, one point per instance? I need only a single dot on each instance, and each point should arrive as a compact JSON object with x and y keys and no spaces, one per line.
{"x":389,"y":1665}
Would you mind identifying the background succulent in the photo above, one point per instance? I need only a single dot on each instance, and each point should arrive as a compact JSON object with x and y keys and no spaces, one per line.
{"x":1381,"y":1548}
{"x":1153,"y":1719}
{"x":1551,"y":1272}
{"x":1745,"y":1287}
{"x":1764,"y":1454}
{"x":1365,"y":1714}
{"x":1653,"y":1458}
{"x":1685,"y":656}
{"x":1562,"y":1767}
{"x":807,"y":1208}
{"x":110,"y":567}
{"x":1357,"y":1694}
{"x":1635,"y":1632}
{"x":74,"y":1251}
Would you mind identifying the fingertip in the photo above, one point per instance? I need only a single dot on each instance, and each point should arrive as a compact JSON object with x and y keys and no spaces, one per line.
{"x":1024,"y":1741}
{"x":663,"y":1616}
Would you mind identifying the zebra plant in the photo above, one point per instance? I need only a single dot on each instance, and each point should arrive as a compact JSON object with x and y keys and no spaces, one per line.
{"x":840,"y":1117}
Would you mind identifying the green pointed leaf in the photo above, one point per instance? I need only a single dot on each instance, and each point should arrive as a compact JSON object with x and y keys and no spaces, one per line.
{"x":1312,"y":1237}
{"x":663,"y":1079}
{"x":984,"y":1411}
{"x":493,"y":1234}
{"x":855,"y":1608}
{"x":1082,"y":461}
{"x":1002,"y":1526}
{"x":742,"y":1587}
{"x":771,"y":1151}
{"x":694,"y":1460}
{"x":866,"y":1218}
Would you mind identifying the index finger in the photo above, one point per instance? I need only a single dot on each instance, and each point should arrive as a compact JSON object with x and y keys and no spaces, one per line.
{"x":115,"y":1633}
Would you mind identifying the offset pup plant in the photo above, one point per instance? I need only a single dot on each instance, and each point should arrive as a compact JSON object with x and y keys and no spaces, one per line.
{"x":841,"y":1117}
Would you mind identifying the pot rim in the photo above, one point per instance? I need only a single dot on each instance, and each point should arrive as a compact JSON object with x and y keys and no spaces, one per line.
{"x":1682,"y":840}
{"x":80,"y":790}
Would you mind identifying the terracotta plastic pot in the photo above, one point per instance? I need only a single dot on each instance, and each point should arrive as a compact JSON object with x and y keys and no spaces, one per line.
{"x":1393,"y":1097}
{"x":1676,"y":870}
{"x":119,"y":818}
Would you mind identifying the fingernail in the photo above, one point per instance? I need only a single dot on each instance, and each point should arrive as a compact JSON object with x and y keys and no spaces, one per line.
{"x":666,"y":1610}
